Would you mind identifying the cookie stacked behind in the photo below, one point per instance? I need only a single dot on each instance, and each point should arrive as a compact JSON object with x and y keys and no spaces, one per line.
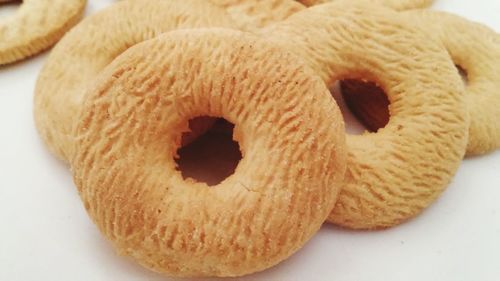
{"x":399,"y":5}
{"x":475,"y":50}
{"x":393,"y":174}
{"x":36,"y":26}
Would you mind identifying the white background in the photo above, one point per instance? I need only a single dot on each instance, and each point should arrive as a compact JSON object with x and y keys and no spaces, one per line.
{"x":45,"y":233}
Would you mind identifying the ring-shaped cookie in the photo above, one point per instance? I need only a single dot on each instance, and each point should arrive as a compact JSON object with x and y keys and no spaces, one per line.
{"x":88,"y":48}
{"x":254,"y":14}
{"x":394,"y":4}
{"x":393,"y":174}
{"x":293,"y":148}
{"x":474,"y":48}
{"x":36,"y":26}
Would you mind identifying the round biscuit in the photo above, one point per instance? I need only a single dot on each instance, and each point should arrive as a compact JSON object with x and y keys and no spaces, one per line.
{"x":474,"y":48}
{"x":293,"y":147}
{"x":394,"y":174}
{"x":37,"y":25}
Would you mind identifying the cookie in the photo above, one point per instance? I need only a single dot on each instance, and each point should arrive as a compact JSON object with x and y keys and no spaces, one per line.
{"x":396,"y":173}
{"x":394,"y":4}
{"x":36,"y":26}
{"x":474,"y":48}
{"x":293,"y":148}
{"x":89,"y":47}
{"x":254,"y":14}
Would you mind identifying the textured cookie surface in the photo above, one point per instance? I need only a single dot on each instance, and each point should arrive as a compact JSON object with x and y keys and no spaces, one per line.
{"x":89,"y":47}
{"x":293,"y":147}
{"x":36,"y":26}
{"x":394,"y":4}
{"x":476,"y":49}
{"x":254,"y":14}
{"x":394,"y":174}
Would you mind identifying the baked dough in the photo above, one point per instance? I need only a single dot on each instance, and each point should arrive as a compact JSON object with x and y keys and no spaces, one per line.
{"x":394,"y":4}
{"x":89,"y":47}
{"x":37,"y":25}
{"x":474,"y":48}
{"x":254,"y":14}
{"x":393,"y":174}
{"x":293,"y":147}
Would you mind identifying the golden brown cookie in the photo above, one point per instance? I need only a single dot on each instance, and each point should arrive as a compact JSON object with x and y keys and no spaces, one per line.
{"x":36,"y":26}
{"x":89,"y":47}
{"x":253,"y":14}
{"x":394,"y":4}
{"x":474,"y":48}
{"x":282,"y":190}
{"x":393,"y":174}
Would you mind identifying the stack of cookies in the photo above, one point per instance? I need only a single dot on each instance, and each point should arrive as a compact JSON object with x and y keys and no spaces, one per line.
{"x":117,"y":93}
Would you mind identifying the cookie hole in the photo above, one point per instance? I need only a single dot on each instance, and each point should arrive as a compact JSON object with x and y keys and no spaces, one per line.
{"x":463,"y":73}
{"x":352,"y":124}
{"x":364,"y":104}
{"x":9,"y":8}
{"x":212,"y":157}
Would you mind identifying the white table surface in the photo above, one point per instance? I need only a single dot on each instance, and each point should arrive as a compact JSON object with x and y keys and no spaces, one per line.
{"x":45,"y":233}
